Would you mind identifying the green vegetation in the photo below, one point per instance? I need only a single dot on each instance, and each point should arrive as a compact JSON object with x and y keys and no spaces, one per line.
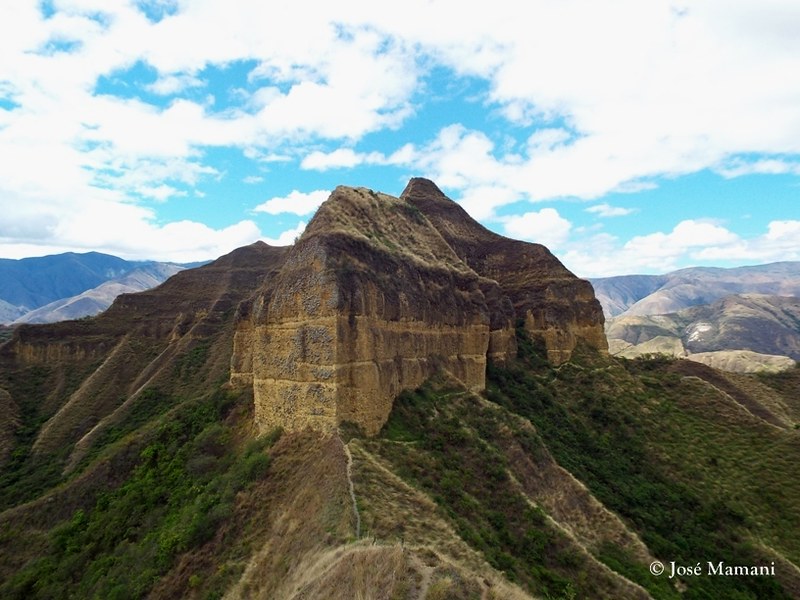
{"x":188,"y":365}
{"x":24,"y":476}
{"x":445,"y":442}
{"x":181,"y":489}
{"x":168,"y":497}
{"x":689,"y":477}
{"x":602,"y":422}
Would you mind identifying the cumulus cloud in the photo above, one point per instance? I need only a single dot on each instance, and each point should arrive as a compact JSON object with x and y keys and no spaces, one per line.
{"x":297,"y":203}
{"x":288,"y":237}
{"x":337,"y":159}
{"x":545,"y":226}
{"x":707,"y":87}
{"x":119,"y":228}
{"x":168,"y":85}
{"x":689,"y":243}
{"x":686,"y":234}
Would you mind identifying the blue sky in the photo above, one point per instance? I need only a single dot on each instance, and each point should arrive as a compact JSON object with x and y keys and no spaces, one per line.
{"x":629,"y":137}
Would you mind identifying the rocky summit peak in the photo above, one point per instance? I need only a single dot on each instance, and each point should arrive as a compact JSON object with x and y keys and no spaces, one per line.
{"x":419,"y":187}
{"x":382,"y":292}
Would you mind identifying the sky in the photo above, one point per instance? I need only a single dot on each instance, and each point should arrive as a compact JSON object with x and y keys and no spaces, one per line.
{"x":627,"y":136}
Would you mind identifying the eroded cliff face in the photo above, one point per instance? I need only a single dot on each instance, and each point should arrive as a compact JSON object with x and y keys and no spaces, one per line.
{"x":381,"y":292}
{"x":370,"y":301}
{"x":554,"y":305}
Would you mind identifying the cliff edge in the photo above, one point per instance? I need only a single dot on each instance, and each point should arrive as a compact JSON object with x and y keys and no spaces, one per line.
{"x":381,"y":292}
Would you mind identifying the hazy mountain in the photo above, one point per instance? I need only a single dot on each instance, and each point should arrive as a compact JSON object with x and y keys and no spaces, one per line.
{"x":701,"y":310}
{"x":70,"y":285}
{"x":400,"y":405}
{"x":661,"y":294}
{"x":9,"y":312}
{"x":96,"y":300}
{"x":34,"y":282}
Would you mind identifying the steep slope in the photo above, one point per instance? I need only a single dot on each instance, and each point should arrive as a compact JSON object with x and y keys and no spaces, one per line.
{"x":92,"y":372}
{"x":554,"y":305}
{"x":380,"y":292}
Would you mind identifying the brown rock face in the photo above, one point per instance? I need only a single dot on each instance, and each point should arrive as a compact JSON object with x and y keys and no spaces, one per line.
{"x":381,"y":292}
{"x":555,"y":306}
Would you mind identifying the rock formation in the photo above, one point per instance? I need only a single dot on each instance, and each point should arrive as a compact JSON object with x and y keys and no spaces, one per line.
{"x":381,"y":292}
{"x":377,"y":295}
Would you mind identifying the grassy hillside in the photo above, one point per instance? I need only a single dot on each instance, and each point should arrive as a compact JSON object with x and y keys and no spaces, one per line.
{"x":689,"y":468}
{"x":555,"y":483}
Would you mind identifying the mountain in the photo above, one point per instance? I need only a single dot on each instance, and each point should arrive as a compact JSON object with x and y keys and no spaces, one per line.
{"x":662,"y":294}
{"x":744,"y":318}
{"x":60,"y":281}
{"x":96,"y":300}
{"x":9,"y":313}
{"x":380,"y":293}
{"x":755,"y":322}
{"x":400,"y":405}
{"x":34,"y":282}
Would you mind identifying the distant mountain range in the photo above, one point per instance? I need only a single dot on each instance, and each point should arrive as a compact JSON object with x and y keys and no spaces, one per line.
{"x":706,"y":314}
{"x":70,"y":286}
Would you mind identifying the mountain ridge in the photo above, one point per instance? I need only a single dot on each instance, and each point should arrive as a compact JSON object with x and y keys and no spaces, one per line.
{"x":30,"y":284}
{"x":138,"y":464}
{"x":676,"y":290}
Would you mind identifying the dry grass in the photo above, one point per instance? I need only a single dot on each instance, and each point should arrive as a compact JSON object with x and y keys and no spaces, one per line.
{"x":308,"y":513}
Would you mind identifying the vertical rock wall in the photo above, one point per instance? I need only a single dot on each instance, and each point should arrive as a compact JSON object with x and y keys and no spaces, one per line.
{"x":380,"y":293}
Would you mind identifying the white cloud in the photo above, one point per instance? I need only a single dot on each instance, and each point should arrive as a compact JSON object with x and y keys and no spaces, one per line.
{"x":690,"y":242}
{"x":253,"y":179}
{"x":168,"y":85}
{"x":739,"y":167}
{"x":297,"y":203}
{"x":160,"y":193}
{"x":117,"y":149}
{"x":288,"y":237}
{"x":337,"y":159}
{"x":647,"y":89}
{"x":606,"y":210}
{"x":708,"y":85}
{"x":686,"y":235}
{"x":118,"y":228}
{"x":545,"y":226}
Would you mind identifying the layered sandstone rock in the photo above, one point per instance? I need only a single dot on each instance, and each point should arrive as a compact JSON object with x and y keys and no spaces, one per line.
{"x":370,"y":301}
{"x":554,"y":305}
{"x":381,"y":292}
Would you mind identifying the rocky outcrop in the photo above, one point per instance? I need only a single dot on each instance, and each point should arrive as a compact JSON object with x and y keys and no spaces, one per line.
{"x":381,"y":292}
{"x":370,"y":301}
{"x":554,"y":305}
{"x":377,"y":295}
